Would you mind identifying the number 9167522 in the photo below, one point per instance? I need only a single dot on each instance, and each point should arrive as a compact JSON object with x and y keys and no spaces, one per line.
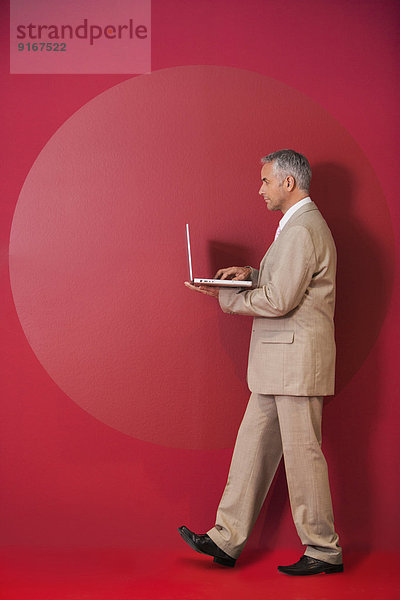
{"x":42,"y":47}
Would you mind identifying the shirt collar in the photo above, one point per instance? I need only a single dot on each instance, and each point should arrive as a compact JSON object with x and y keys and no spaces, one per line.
{"x":292,"y":210}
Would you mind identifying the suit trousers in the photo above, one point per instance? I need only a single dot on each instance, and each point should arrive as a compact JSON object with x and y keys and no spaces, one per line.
{"x":272,"y":426}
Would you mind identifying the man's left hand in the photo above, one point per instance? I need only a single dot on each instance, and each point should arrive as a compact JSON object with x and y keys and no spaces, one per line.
{"x":208,"y":290}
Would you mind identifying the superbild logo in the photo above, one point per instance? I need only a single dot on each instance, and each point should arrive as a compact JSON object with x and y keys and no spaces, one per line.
{"x":80,"y":36}
{"x":85,"y":31}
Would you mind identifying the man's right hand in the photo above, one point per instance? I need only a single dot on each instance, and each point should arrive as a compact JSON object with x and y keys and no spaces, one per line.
{"x":235,"y":273}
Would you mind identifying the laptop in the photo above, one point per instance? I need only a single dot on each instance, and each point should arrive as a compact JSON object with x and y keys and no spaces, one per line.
{"x":204,"y":281}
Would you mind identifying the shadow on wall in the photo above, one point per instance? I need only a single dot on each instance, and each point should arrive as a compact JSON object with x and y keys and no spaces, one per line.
{"x":227,"y":255}
{"x":364,"y":284}
{"x":364,"y":272}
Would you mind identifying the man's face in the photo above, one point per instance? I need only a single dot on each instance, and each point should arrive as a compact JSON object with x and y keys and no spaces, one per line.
{"x":272,"y":189}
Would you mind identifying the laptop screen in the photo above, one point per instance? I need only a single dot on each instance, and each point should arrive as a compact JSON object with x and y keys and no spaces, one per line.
{"x":189,"y":254}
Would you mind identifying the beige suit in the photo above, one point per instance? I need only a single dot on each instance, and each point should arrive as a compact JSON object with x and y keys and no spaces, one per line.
{"x":292,"y":351}
{"x":291,"y":367}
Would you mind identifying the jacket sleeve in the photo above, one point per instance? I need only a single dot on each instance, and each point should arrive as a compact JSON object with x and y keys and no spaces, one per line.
{"x":254,"y":276}
{"x":290,"y":272}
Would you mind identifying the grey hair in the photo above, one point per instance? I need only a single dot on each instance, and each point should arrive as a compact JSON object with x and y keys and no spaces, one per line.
{"x":289,"y":162}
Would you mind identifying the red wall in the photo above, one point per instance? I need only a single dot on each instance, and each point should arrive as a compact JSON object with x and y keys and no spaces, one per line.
{"x":121,"y":391}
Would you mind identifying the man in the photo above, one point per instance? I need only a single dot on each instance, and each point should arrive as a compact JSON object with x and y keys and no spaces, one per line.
{"x":291,"y":368}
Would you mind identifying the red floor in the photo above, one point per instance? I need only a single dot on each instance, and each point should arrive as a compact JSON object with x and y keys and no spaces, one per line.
{"x":126,"y":574}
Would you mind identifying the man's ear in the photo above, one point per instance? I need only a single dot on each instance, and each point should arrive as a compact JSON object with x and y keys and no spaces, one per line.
{"x":289,"y":183}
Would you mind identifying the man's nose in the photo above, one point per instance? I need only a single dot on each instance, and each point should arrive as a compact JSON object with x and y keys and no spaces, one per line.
{"x":260,"y":190}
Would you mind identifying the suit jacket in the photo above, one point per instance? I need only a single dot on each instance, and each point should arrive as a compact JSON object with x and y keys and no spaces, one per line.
{"x":292,"y":348}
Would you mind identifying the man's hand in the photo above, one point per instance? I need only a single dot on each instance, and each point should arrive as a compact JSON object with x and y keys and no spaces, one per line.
{"x":208,"y":290}
{"x":235,"y":273}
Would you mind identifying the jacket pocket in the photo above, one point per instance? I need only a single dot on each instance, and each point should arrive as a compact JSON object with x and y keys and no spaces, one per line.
{"x":277,"y":337}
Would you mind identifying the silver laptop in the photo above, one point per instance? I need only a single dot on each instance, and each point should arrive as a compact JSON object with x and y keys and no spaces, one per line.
{"x":203,"y":281}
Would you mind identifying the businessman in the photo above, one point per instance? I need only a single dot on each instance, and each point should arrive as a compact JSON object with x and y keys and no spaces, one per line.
{"x":291,"y":368}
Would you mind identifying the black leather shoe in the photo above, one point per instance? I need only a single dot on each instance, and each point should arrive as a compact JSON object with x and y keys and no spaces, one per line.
{"x":310,"y":566}
{"x":203,"y":543}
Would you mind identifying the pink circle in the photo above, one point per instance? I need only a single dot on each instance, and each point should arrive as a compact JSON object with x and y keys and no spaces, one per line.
{"x":97,"y":254}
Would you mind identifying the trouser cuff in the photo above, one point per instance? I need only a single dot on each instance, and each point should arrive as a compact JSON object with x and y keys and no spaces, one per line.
{"x":328,"y":557}
{"x":217,"y":538}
